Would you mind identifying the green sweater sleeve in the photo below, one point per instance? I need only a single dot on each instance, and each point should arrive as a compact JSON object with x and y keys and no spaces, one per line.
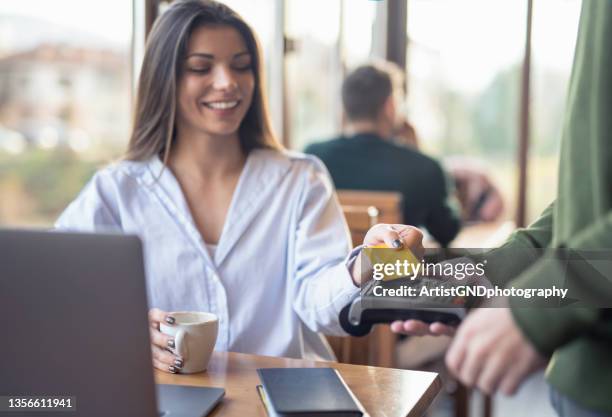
{"x":537,"y":235}
{"x":521,"y":245}
{"x":550,"y":328}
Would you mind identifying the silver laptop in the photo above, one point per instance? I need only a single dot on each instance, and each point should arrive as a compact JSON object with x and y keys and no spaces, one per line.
{"x":73,"y":318}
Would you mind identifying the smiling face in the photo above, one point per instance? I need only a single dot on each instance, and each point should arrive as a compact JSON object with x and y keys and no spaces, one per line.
{"x":216,"y":83}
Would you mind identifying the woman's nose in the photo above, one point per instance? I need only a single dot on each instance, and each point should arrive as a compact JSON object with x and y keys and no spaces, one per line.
{"x":224,"y":79}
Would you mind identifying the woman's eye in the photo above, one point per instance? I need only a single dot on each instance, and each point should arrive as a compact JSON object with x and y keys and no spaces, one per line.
{"x":246,"y":67}
{"x":199,"y":70}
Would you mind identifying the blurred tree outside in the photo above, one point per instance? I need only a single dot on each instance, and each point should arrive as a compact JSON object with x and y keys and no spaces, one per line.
{"x":36,"y":186}
{"x":495,"y":115}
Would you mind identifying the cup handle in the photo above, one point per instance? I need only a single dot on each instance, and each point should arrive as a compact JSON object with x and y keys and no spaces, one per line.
{"x":180,"y":341}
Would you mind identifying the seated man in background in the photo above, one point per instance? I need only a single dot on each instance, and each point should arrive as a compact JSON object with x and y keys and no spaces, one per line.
{"x":365,"y":158}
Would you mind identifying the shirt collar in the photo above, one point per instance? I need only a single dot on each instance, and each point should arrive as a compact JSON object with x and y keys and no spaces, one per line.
{"x":263,"y":170}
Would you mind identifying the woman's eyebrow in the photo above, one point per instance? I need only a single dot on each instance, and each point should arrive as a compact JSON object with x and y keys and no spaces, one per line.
{"x":211,"y":56}
{"x":201,"y":55}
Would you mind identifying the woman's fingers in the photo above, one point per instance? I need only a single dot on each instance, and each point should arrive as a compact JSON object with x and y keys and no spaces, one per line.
{"x":157,"y":316}
{"x":412,"y":239}
{"x":402,"y":236}
{"x":382,"y":233}
{"x":410,"y":236}
{"x":394,"y":236}
{"x":165,"y":360}
{"x":161,"y":340}
{"x":164,"y":366}
{"x":165,"y":357}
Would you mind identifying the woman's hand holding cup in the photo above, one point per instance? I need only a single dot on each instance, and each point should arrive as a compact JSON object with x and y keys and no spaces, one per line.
{"x":163,"y":358}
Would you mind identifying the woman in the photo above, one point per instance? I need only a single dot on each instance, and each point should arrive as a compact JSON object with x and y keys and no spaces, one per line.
{"x":230,"y":222}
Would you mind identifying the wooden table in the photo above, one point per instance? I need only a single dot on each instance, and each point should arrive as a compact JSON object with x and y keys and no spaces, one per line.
{"x":382,"y":391}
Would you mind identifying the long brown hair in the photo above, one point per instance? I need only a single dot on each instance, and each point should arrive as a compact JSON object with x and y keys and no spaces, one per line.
{"x":154,"y":129}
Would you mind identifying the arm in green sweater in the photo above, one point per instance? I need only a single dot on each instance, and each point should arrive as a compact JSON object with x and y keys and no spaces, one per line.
{"x":550,"y":328}
{"x":521,"y":245}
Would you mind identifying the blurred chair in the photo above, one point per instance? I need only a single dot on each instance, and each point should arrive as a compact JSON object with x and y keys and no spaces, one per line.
{"x":352,"y":349}
{"x":388,"y":203}
{"x":362,"y":210}
{"x":359,"y":219}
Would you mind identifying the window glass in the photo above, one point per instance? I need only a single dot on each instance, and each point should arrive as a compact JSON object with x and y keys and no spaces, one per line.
{"x":261,"y":16}
{"x":463,"y":66}
{"x":357,"y":31}
{"x":313,"y":70}
{"x":555,"y":26}
{"x":64,"y":100}
{"x":319,"y":56}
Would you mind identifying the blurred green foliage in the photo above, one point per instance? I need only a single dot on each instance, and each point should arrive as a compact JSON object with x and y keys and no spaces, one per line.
{"x":37,"y":185}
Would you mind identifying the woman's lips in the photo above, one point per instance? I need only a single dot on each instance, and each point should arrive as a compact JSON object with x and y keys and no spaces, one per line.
{"x":222,"y":108}
{"x":222,"y":105}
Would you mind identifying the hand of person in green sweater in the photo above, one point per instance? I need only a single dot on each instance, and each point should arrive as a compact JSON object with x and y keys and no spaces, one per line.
{"x":420,"y":328}
{"x":490,"y":352}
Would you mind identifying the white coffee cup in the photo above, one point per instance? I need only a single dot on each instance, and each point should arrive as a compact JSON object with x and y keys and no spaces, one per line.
{"x":195,"y":334}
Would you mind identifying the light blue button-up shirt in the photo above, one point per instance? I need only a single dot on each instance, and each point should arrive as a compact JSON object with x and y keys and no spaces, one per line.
{"x":279,"y":272}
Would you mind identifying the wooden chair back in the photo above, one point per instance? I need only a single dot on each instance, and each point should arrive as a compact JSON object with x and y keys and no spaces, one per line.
{"x":388,"y":203}
{"x":362,"y":210}
{"x":359,"y":219}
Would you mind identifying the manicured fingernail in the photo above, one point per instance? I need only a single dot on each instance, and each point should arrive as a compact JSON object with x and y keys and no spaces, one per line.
{"x":170,"y":320}
{"x":173,"y":369}
{"x":178,"y":363}
{"x":397,"y":243}
{"x":171,"y":343}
